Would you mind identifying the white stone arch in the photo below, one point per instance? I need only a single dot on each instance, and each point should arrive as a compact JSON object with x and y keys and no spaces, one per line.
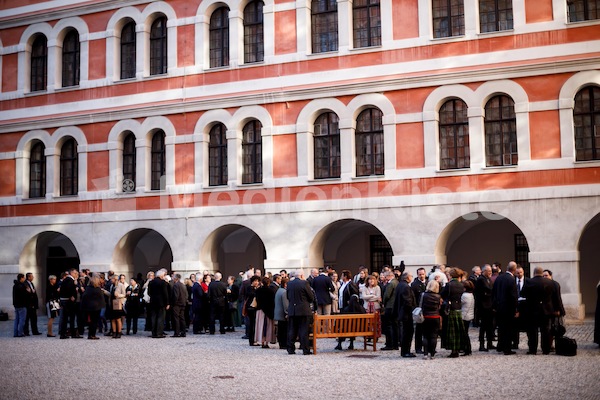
{"x":149,"y":14}
{"x":376,"y":100}
{"x":147,"y":130}
{"x":113,"y":39}
{"x":339,"y":226}
{"x":24,"y":56}
{"x":203,"y":14}
{"x":58,"y":35}
{"x":115,"y":149}
{"x":515,"y":91}
{"x":209,"y":250}
{"x":201,"y":140}
{"x":53,"y":158}
{"x":22,"y":157}
{"x":431,"y":109}
{"x":566,"y":103}
{"x":305,"y":131}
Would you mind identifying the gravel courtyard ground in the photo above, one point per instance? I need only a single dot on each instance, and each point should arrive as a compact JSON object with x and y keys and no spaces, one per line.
{"x":225,"y":367}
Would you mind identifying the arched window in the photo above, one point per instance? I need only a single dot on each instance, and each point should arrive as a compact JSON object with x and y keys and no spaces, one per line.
{"x":129,"y":160}
{"x":217,"y":156}
{"x":327,"y":146}
{"x":158,"y":46}
{"x":254,"y":42}
{"x":324,"y":25}
{"x":454,"y":135}
{"x":369,"y":143}
{"x":158,"y":167}
{"x":252,"y":152}
{"x":39,"y":63}
{"x":68,"y":168}
{"x":70,"y":59}
{"x":500,"y":132}
{"x":367,"y":23}
{"x":128,"y":51}
{"x":586,"y":118}
{"x":37,"y":171}
{"x":219,"y":37}
{"x":583,"y":10}
{"x":495,"y":15}
{"x":448,"y":18}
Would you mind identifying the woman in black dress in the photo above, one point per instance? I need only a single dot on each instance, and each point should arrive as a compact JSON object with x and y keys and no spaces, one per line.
{"x":52,"y":303}
{"x":133,"y":305}
{"x":92,"y":302}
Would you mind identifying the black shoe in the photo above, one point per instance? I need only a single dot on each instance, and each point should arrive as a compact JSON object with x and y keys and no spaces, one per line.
{"x":291,"y":352}
{"x":351,"y":346}
{"x":93,"y":338}
{"x":419,"y":351}
{"x":182,"y":335}
{"x":64,"y":337}
{"x":508,"y":353}
{"x":409,"y":355}
{"x":533,"y":353}
{"x":49,"y":335}
{"x":265,"y":346}
{"x":453,"y":355}
{"x":466,"y":354}
{"x":176,"y":335}
{"x":307,"y":353}
{"x":385,"y":348}
{"x":245,"y":337}
{"x":338,"y":347}
{"x":222,"y":333}
{"x":37,"y":333}
{"x":77,"y":336}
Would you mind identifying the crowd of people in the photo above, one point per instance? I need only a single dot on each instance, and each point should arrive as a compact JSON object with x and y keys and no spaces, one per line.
{"x":276,"y":309}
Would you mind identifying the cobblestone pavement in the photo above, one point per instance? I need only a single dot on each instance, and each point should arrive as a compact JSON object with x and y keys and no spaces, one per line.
{"x":225,"y":367}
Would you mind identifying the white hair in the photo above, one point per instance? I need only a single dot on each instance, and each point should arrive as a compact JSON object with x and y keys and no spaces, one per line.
{"x":218,"y":276}
{"x":199,"y":276}
{"x":160,"y":273}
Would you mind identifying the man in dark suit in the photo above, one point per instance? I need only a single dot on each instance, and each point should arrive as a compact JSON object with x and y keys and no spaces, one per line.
{"x":504,"y":302}
{"x":197,"y":293}
{"x":418,"y":287}
{"x":404,"y":305}
{"x":68,"y":296}
{"x":178,"y":302}
{"x":32,"y":306}
{"x":522,"y":321}
{"x":217,"y":293}
{"x":483,"y":301}
{"x":158,"y":290}
{"x":559,"y":308}
{"x":538,"y":292}
{"x":300,"y":296}
{"x":323,"y":287}
{"x":390,"y":324}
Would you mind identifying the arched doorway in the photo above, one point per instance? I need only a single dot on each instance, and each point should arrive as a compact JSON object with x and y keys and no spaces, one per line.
{"x":589,"y":264}
{"x":348,"y":244}
{"x":482,"y":238}
{"x":231,"y":248}
{"x":140,"y":251}
{"x":48,"y":253}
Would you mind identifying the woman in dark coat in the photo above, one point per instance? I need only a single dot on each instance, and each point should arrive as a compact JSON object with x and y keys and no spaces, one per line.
{"x":92,"y":302}
{"x":52,"y":303}
{"x":452,"y":293}
{"x":133,"y":305}
{"x":265,"y":313}
{"x":431,"y":312}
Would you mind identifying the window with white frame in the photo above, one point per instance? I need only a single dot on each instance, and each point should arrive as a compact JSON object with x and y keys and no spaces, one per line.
{"x":500,"y":132}
{"x":454,"y":135}
{"x":327,"y":152}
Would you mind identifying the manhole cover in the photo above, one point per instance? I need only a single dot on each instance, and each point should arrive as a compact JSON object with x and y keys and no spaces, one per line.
{"x":362,"y":356}
{"x":223,"y":377}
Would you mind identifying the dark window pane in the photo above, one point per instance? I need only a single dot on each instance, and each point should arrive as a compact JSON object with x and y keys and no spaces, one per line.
{"x":37,"y":171}
{"x":369,"y":143}
{"x":324,"y":26}
{"x":68,"y":168}
{"x":448,"y":18}
{"x":158,"y":162}
{"x":586,"y":118}
{"x":70,"y":59}
{"x":327,"y":147}
{"x":129,"y":157}
{"x":454,"y":135}
{"x":254,"y":48}
{"x":39,"y":63}
{"x":495,"y":15}
{"x":158,"y":46}
{"x":583,"y":10}
{"x":367,"y":23}
{"x":219,"y":38}
{"x":252,"y":153}
{"x":217,"y":156}
{"x":128,"y":51}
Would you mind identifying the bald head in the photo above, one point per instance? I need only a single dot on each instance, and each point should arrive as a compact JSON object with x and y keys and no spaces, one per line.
{"x":538,"y":271}
{"x":512,"y":267}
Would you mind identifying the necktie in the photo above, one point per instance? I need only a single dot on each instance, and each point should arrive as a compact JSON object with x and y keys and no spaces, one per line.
{"x":519,"y":287}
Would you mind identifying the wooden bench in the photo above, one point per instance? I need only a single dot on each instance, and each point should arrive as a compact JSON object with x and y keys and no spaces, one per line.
{"x":346,"y":325}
